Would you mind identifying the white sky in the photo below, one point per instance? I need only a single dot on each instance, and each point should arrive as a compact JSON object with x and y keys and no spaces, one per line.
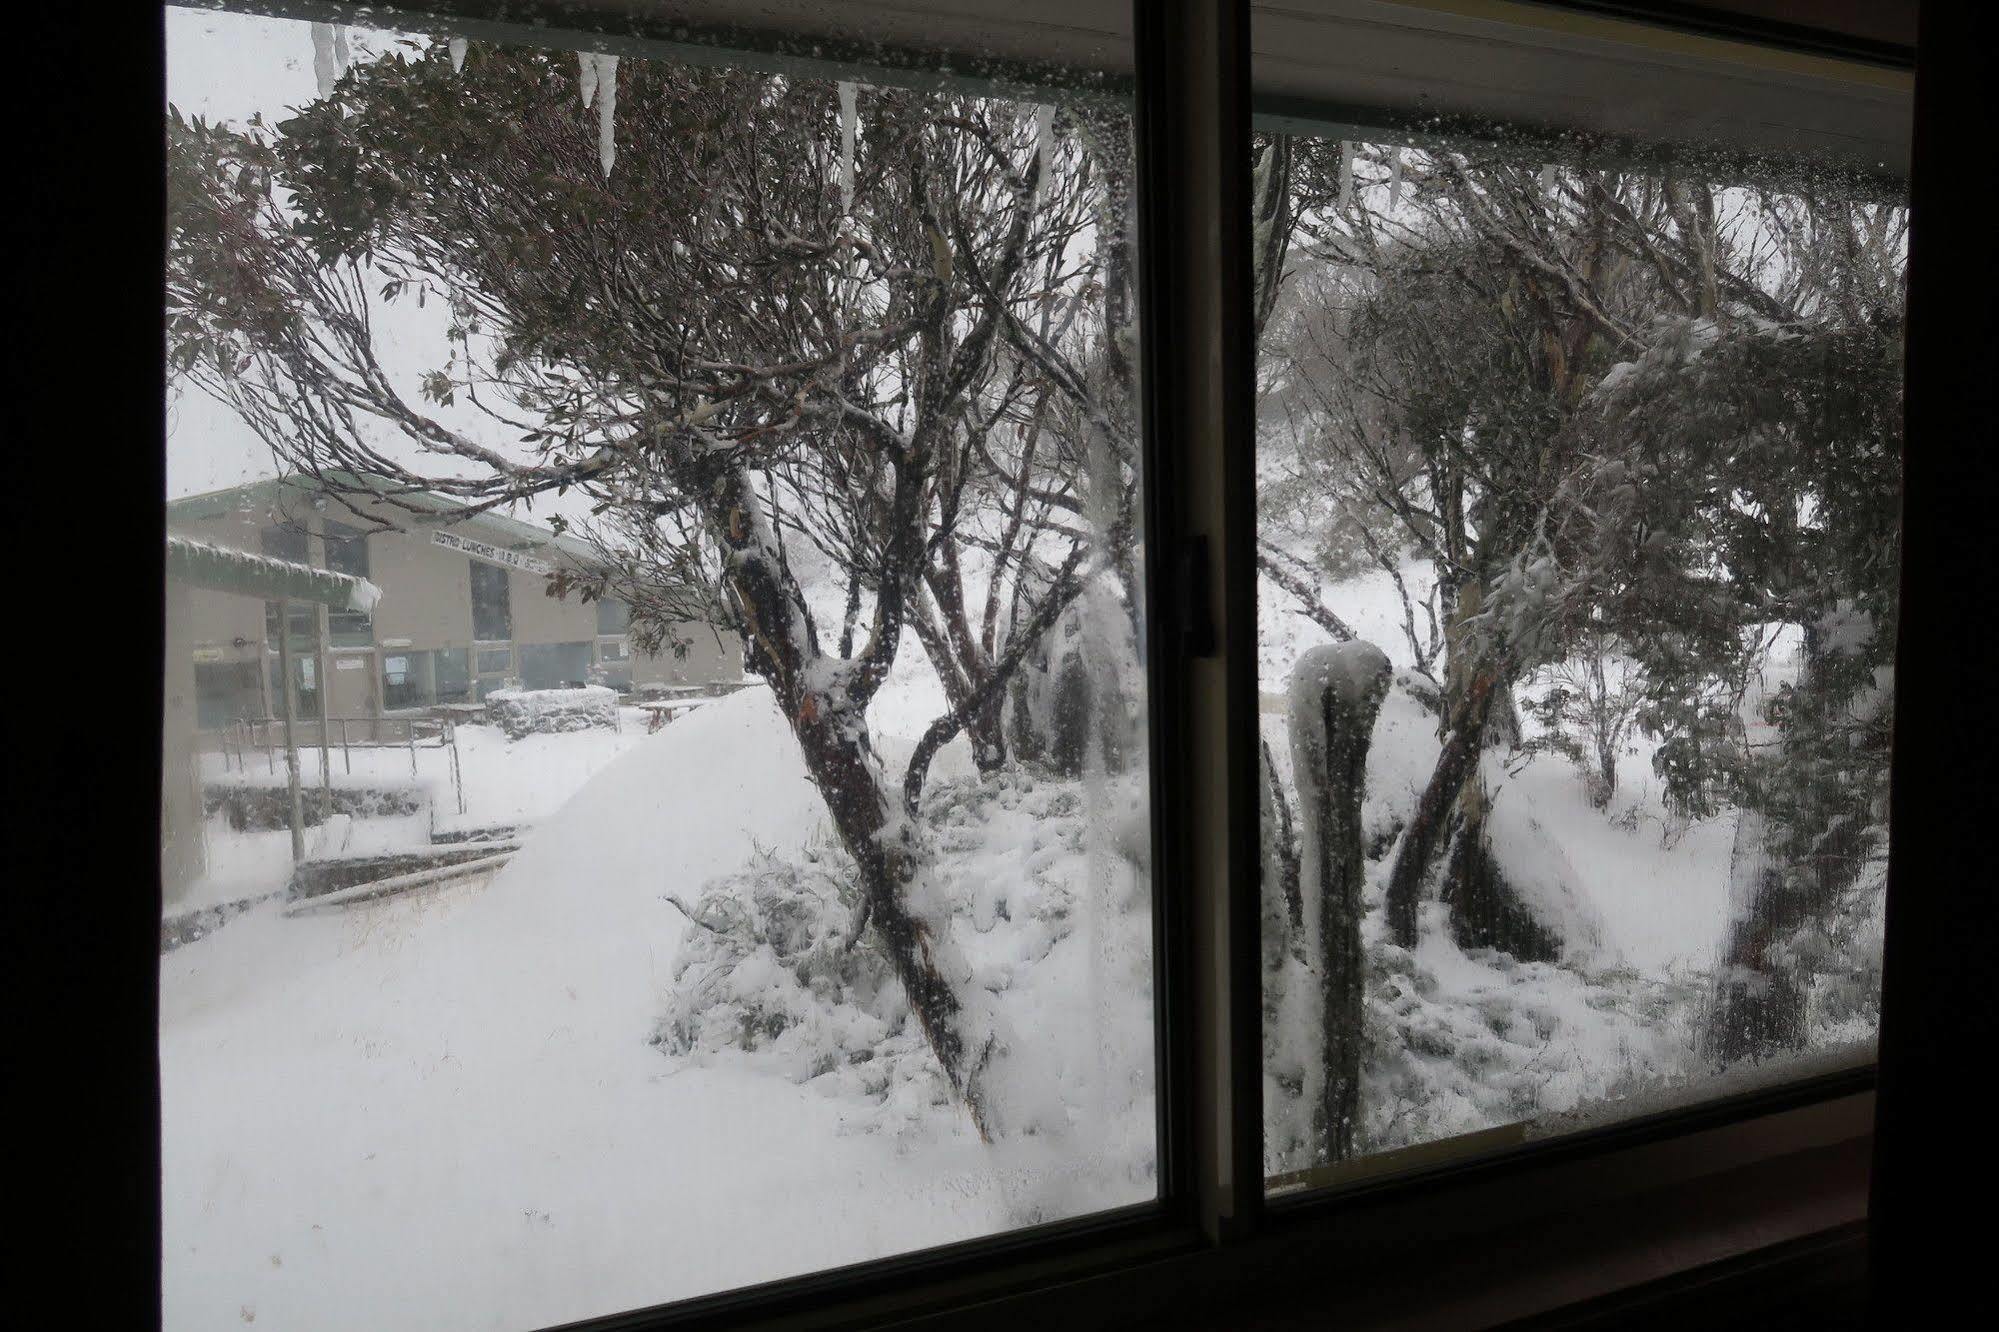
{"x":226,"y":67}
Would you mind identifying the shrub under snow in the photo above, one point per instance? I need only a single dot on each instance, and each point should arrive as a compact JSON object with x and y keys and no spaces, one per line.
{"x":1048,"y":906}
{"x":541,"y":711}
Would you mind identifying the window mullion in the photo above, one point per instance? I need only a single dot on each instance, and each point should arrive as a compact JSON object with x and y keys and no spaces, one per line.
{"x":1193,"y":96}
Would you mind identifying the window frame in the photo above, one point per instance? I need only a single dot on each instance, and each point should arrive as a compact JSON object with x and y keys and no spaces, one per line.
{"x":1191,"y":1216}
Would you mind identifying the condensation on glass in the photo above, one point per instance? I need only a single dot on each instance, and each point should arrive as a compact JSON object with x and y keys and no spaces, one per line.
{"x":655,"y":785}
{"x":1578,"y":499}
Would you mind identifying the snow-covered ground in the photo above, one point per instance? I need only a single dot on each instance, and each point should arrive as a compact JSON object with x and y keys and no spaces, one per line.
{"x":448,"y":1106}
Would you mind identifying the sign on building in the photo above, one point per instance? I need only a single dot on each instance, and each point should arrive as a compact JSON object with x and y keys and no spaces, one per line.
{"x":479,"y":550}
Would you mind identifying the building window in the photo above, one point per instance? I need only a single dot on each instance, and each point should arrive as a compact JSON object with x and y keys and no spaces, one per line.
{"x":421,"y":678}
{"x":555,"y":665}
{"x":405,"y":682}
{"x":614,"y":617}
{"x":492,"y":609}
{"x":454,"y":680}
{"x":305,"y":686}
{"x":347,"y":553}
{"x":286,"y":541}
{"x":226,"y":692}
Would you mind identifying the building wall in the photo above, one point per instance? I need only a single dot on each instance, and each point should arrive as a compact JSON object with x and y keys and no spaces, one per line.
{"x":182,"y":857}
{"x":712,"y":655}
{"x":426,"y":606}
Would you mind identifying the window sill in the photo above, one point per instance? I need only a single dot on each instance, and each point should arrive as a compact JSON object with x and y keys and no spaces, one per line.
{"x":1519,"y":1240}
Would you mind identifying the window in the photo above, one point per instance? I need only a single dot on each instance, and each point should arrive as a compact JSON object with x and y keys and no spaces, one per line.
{"x":347,"y":553}
{"x":226,"y":692}
{"x":848,"y":357}
{"x":286,"y":541}
{"x":454,"y":680}
{"x":848,"y":963}
{"x":555,"y":665}
{"x":420,"y":679}
{"x":305,"y":686}
{"x":1577,"y":511}
{"x":492,"y":611}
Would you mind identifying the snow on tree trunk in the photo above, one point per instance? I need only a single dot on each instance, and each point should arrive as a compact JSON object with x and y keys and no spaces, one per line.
{"x":849,"y":121}
{"x":1335,"y":693}
{"x":1044,"y":148}
{"x":329,"y":55}
{"x":1283,"y":933}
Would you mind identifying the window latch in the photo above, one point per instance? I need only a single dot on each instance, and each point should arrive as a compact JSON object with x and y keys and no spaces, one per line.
{"x":1197,"y":617}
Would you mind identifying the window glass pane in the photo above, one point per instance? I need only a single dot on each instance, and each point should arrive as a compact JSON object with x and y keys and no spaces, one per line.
{"x":809,"y":913}
{"x":226,"y":692}
{"x":555,"y":665}
{"x":613,"y":616}
{"x":492,"y":610}
{"x":1577,"y":543}
{"x":347,"y":553}
{"x":454,"y":680}
{"x":407,"y":681}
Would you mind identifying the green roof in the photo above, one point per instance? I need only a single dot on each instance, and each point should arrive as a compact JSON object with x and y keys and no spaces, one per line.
{"x":498,"y":528}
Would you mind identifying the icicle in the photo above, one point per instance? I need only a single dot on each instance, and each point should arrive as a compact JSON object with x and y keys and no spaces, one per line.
{"x":1394,"y":178}
{"x":459,"y":46}
{"x":340,"y":60}
{"x":1044,"y":146}
{"x":1346,"y":175}
{"x":848,"y":122}
{"x":325,"y":67}
{"x":1548,"y":178}
{"x":586,"y":76}
{"x":607,"y":110}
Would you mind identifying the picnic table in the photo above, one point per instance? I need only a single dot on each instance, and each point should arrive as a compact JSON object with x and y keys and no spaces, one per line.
{"x":660,"y":711}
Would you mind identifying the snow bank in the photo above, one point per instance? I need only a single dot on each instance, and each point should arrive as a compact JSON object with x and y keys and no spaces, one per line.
{"x":447,"y":1109}
{"x":521,"y":712}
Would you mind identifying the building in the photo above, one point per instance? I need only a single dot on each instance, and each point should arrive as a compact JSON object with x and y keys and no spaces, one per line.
{"x":464,"y":610}
{"x":195,"y":568}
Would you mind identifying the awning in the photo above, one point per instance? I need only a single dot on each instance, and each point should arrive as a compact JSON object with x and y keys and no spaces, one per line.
{"x":221,"y":569}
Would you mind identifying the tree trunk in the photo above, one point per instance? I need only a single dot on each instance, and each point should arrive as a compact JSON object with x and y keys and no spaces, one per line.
{"x":1335,"y":694}
{"x":1806,"y":832}
{"x":1463,"y":742}
{"x":825,"y":701}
